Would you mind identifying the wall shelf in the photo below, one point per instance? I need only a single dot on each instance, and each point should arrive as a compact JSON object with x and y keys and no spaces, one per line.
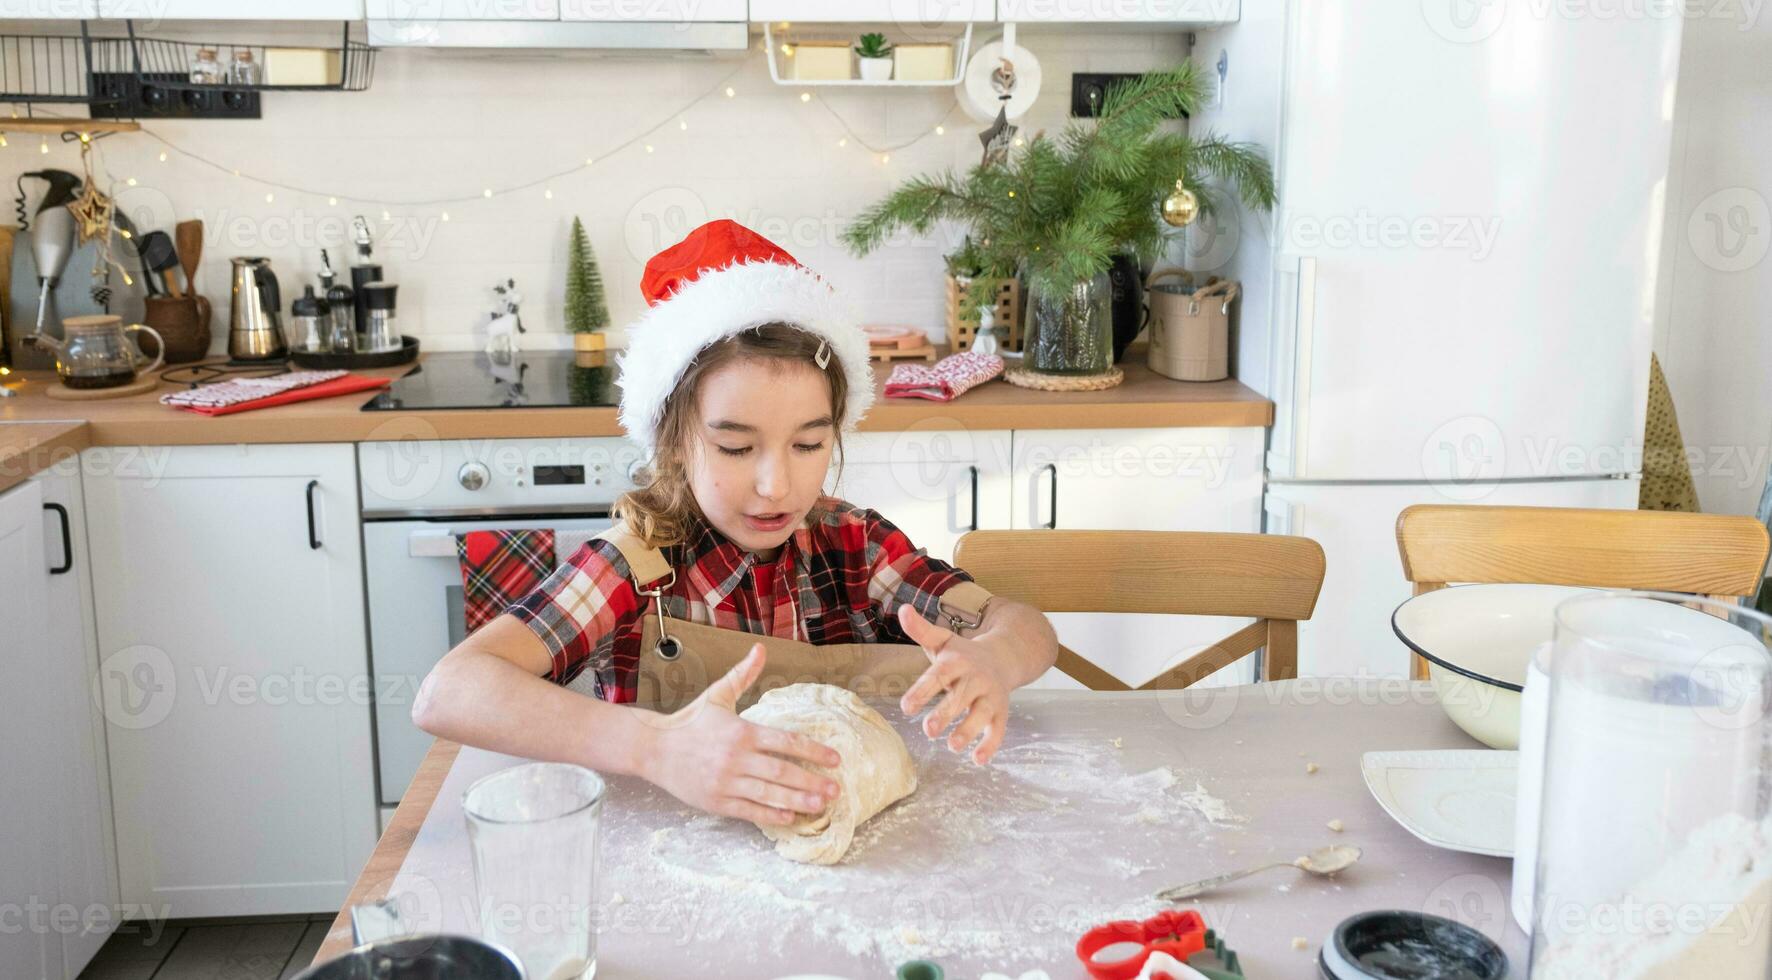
{"x":962,"y":52}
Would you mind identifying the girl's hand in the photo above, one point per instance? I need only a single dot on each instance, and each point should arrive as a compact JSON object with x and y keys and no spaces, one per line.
{"x":969,"y":670}
{"x":708,"y":757}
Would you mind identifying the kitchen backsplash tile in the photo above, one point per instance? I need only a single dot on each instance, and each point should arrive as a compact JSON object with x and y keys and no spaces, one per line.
{"x":447,"y":124}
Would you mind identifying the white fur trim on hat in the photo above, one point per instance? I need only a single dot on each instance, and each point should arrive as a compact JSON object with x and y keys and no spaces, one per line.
{"x":665,"y":340}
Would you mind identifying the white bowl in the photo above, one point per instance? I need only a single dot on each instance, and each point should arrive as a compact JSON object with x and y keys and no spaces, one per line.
{"x":1478,"y":641}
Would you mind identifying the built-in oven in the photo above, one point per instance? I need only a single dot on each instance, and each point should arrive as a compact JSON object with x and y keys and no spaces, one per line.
{"x":418,"y":496}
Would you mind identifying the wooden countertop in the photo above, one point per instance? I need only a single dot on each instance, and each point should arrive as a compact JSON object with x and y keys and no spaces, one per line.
{"x":27,"y":449}
{"x":1144,"y":400}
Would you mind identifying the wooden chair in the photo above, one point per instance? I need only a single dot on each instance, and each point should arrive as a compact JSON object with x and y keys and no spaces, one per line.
{"x":1713,"y":555}
{"x":1271,"y":577}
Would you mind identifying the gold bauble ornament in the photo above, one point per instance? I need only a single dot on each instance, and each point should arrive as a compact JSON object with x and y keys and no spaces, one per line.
{"x":1181,"y":207}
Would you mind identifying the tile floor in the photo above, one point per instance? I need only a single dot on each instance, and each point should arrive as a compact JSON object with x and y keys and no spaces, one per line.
{"x":259,"y":949}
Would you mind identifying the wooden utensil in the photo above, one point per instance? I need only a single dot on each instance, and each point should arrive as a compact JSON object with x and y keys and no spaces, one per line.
{"x":188,"y":237}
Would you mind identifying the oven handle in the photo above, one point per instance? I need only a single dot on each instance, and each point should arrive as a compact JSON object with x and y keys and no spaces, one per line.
{"x":441,"y":544}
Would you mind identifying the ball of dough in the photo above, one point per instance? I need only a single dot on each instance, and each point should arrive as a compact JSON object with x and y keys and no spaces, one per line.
{"x":875,"y":773}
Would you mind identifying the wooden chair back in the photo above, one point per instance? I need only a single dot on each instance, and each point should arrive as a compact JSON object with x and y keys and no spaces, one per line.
{"x":1715,"y":555}
{"x":1273,"y":578}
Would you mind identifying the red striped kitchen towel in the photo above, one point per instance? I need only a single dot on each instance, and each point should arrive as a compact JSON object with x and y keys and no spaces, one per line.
{"x":946,"y":379}
{"x":246,"y":394}
{"x":499,"y":567}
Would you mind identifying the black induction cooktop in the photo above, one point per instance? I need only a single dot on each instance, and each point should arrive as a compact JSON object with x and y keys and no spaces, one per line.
{"x":530,"y":379}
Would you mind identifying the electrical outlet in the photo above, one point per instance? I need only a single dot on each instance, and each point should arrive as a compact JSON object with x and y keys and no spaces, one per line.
{"x":119,"y":95}
{"x":1088,"y":89}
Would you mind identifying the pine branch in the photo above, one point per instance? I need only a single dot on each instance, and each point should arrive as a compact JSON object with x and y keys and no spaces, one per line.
{"x":1238,"y":163}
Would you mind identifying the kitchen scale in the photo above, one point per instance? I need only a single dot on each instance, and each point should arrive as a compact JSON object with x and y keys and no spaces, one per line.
{"x":526,"y":379}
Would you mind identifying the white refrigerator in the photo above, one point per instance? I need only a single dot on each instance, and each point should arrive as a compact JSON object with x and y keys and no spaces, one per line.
{"x":1461,"y":278}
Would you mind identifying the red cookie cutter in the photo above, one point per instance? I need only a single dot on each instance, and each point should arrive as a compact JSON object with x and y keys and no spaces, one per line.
{"x":1180,"y":934}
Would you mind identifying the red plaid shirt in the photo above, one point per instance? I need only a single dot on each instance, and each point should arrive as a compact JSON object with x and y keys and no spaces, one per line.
{"x":840,"y":578}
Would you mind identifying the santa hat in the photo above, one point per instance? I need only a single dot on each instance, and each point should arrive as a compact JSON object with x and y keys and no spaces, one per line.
{"x":720,"y":281}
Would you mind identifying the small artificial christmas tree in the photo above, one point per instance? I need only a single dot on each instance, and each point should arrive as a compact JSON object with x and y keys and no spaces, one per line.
{"x":587,"y":312}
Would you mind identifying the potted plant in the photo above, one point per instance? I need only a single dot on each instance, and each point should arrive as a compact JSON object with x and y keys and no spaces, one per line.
{"x":587,"y":312}
{"x":875,"y":58}
{"x":1057,"y":210}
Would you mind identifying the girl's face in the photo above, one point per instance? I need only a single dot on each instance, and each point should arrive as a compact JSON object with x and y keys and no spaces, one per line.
{"x":762,"y":449}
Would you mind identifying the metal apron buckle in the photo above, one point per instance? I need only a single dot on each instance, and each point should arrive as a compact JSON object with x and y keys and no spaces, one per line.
{"x":666,"y":646}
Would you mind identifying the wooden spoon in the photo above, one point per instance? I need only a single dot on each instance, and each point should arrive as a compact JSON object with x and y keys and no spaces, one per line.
{"x":188,"y":241}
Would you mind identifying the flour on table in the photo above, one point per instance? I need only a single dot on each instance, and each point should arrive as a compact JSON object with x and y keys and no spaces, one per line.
{"x":1003,"y":866}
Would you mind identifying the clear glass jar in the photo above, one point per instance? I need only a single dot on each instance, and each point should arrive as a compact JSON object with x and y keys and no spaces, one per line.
{"x":205,"y":70}
{"x":243,"y":70}
{"x":1070,"y":330}
{"x":534,"y":830}
{"x":1654,"y":846}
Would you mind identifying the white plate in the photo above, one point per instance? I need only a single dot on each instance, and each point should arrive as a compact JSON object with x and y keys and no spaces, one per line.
{"x":1459,"y":799}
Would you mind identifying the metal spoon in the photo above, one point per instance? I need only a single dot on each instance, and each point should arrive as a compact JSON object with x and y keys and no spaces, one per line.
{"x":1323,"y":861}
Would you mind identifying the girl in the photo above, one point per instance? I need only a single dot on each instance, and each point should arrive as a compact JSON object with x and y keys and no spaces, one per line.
{"x":738,"y":383}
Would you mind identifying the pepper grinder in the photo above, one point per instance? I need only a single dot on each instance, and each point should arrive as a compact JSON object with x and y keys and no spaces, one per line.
{"x":381,"y":333}
{"x":363,"y":272}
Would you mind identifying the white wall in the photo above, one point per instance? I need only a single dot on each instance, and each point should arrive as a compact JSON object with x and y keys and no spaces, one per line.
{"x":447,"y":124}
{"x":1714,"y":313}
{"x":1248,"y":110}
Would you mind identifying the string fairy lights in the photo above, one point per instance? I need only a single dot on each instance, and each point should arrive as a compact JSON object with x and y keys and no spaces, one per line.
{"x":647,"y":140}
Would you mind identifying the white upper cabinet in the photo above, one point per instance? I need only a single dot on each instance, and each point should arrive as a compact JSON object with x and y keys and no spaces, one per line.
{"x":653,"y":11}
{"x":48,"y":9}
{"x":1119,"y":11}
{"x":221,"y":9}
{"x":429,"y":10}
{"x":907,"y":14}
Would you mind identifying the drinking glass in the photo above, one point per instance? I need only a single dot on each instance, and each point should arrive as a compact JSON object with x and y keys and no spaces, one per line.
{"x":534,"y":833}
{"x":1654,"y":846}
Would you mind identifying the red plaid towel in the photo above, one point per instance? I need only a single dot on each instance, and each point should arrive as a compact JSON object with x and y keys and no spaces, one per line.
{"x":946,"y":379}
{"x":500,"y":567}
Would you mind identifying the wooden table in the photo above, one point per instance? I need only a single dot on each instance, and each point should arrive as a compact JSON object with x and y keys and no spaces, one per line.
{"x":1095,"y":801}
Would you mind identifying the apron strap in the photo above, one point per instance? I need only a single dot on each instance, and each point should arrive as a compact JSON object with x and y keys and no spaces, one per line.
{"x":646,"y":565}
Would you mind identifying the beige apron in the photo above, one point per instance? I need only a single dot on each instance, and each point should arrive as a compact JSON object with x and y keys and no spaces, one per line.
{"x":692,"y":656}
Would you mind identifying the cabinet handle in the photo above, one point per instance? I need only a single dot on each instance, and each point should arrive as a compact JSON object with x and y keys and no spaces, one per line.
{"x":1052,"y":522}
{"x":313,"y":535}
{"x":67,"y":540}
{"x":973,"y":472}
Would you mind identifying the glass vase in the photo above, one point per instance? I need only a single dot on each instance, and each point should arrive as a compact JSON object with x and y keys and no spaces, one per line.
{"x":1070,"y":330}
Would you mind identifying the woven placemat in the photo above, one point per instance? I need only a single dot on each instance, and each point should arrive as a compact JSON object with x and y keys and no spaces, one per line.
{"x":1024,"y":378}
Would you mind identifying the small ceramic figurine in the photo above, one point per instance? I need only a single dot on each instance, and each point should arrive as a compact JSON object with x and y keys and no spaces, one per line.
{"x":985,"y":341}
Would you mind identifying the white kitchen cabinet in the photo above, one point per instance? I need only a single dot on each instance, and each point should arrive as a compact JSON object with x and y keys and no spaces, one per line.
{"x":935,"y":482}
{"x":905,"y":13}
{"x":57,"y":857}
{"x":436,"y":10}
{"x":87,"y":862}
{"x":234,"y":674}
{"x":653,"y":11}
{"x":1204,"y":479}
{"x":48,"y":10}
{"x":1152,"y":12}
{"x":27,"y":868}
{"x":234,"y":9}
